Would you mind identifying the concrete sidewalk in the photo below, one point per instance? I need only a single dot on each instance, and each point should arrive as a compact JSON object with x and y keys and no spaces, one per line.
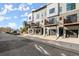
{"x":71,"y":44}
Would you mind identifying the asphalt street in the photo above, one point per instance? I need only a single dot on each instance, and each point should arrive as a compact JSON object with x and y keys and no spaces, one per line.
{"x":12,"y":45}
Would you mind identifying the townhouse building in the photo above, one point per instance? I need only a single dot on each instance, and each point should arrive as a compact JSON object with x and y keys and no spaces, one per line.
{"x":38,"y":16}
{"x":69,"y":14}
{"x":52,"y":19}
{"x":29,"y":21}
{"x":57,"y":19}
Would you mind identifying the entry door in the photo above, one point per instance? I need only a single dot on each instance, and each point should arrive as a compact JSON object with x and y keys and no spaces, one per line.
{"x":60,"y":31}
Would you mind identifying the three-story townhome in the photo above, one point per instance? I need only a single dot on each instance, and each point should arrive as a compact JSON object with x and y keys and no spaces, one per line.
{"x":69,"y":14}
{"x":52,"y":19}
{"x":30,"y":21}
{"x":38,"y":16}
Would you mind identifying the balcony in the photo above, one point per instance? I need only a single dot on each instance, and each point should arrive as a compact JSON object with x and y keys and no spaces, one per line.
{"x":50,"y":22}
{"x":71,"y":20}
{"x":67,"y":21}
{"x":34,"y":24}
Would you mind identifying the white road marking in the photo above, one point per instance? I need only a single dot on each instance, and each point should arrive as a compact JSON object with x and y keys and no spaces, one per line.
{"x":41,"y":49}
{"x":63,"y":54}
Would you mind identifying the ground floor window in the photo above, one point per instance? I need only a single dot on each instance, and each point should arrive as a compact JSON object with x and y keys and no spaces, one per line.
{"x":72,"y":33}
{"x":30,"y":30}
{"x":39,"y":31}
{"x":52,"y":31}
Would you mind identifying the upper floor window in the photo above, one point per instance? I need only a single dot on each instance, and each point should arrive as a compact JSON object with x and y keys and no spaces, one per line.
{"x":30,"y":17}
{"x":72,"y":17}
{"x":45,"y":13}
{"x":52,"y":10}
{"x":42,"y":15}
{"x":70,"y":6}
{"x":52,"y":20}
{"x":37,"y":16}
{"x":60,"y":9}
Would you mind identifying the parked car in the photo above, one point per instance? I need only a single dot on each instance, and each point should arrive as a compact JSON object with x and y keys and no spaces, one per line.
{"x":15,"y":32}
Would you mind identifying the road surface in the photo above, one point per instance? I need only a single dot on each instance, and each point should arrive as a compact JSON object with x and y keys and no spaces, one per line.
{"x":11,"y":45}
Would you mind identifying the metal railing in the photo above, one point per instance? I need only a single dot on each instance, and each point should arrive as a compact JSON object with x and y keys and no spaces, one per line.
{"x":50,"y":22}
{"x":69,"y":21}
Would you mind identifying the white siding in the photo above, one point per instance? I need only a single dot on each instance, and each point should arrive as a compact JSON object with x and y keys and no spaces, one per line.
{"x":50,"y":6}
{"x":64,"y":10}
{"x":63,"y":5}
{"x":29,"y":15}
{"x":42,"y":11}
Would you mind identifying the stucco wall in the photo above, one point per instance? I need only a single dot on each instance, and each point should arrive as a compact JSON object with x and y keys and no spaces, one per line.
{"x":64,"y":10}
{"x":42,"y":11}
{"x":53,"y":5}
{"x":30,"y":15}
{"x":63,"y":5}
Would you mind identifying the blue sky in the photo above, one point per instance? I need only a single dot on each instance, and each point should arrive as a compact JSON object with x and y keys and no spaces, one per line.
{"x":13,"y":14}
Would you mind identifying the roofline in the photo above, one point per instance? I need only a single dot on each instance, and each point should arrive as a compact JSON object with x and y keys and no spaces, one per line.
{"x":44,"y":6}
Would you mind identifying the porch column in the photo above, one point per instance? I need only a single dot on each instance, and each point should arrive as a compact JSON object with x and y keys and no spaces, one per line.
{"x":40,"y":31}
{"x":28,"y":30}
{"x":78,"y":33}
{"x":33,"y":31}
{"x":44,"y":31}
{"x":57,"y":32}
{"x":64,"y":31}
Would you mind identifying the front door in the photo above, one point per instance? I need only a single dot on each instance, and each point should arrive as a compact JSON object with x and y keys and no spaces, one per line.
{"x":60,"y":31}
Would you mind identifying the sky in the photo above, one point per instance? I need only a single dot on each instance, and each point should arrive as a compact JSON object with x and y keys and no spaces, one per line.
{"x":13,"y":14}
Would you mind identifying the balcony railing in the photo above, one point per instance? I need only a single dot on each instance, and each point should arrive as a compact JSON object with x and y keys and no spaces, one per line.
{"x":34,"y":24}
{"x":70,"y":18}
{"x":69,"y":21}
{"x":50,"y":22}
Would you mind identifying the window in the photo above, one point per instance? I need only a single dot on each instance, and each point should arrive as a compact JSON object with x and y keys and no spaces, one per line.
{"x":52,"y":20}
{"x":45,"y":13}
{"x":30,"y":17}
{"x":72,"y":18}
{"x":42,"y":15}
{"x":70,"y":6}
{"x":60,"y":9}
{"x":51,"y":10}
{"x":37,"y":16}
{"x":52,"y":32}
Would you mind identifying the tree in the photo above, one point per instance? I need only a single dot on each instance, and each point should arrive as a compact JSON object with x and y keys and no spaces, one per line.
{"x":24,"y":29}
{"x":5,"y":29}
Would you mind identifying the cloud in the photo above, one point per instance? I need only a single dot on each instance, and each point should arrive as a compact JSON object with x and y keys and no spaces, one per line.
{"x":9,"y":7}
{"x":23,"y":7}
{"x":24,"y":15}
{"x":7,"y":18}
{"x":6,"y":9}
{"x":3,"y":12}
{"x":2,"y":18}
{"x":24,"y":19}
{"x":12,"y":25}
{"x":15,"y":17}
